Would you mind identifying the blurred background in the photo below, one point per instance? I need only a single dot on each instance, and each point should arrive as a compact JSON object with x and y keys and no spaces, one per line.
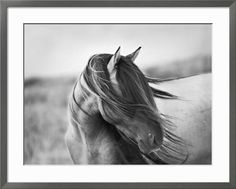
{"x":55,"y":54}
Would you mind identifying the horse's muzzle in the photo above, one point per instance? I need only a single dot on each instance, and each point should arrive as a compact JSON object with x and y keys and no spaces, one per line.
{"x":149,"y":144}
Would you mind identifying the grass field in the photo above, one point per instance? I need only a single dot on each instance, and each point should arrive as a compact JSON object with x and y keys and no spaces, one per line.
{"x":45,"y":106}
{"x":46,"y":120}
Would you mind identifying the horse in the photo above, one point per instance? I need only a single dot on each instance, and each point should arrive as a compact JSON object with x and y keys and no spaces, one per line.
{"x":118,"y":115}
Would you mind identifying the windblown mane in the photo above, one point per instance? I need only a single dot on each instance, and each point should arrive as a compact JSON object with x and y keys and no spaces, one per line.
{"x":137,"y":95}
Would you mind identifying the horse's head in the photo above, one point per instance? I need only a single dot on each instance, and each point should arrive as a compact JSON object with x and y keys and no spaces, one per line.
{"x":125,"y":99}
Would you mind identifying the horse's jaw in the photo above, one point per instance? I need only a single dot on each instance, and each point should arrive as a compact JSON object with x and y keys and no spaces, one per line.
{"x":147,"y":138}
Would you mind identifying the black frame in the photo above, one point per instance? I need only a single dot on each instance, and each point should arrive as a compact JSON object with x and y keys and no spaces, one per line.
{"x":5,"y":4}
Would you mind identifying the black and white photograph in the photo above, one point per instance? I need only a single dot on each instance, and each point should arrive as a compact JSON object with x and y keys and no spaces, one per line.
{"x":117,"y":94}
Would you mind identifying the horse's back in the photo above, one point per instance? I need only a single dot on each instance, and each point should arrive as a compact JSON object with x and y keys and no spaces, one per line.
{"x":191,"y":114}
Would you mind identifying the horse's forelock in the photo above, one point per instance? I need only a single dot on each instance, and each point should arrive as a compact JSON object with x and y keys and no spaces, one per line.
{"x":136,"y":93}
{"x":133,"y":84}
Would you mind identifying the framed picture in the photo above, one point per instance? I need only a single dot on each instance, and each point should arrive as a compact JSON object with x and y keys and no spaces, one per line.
{"x":105,"y":94}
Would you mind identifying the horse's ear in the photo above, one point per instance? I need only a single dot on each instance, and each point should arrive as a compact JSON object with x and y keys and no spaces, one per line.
{"x":113,"y":61}
{"x":134,"y":55}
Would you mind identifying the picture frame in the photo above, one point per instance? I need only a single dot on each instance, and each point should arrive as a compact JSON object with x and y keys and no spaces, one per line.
{"x":174,"y":3}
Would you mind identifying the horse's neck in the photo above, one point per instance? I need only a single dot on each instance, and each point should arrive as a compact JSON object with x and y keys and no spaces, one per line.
{"x":86,"y":110}
{"x":99,"y":136}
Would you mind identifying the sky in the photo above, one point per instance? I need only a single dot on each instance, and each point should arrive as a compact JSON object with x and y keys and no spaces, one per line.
{"x":64,"y":49}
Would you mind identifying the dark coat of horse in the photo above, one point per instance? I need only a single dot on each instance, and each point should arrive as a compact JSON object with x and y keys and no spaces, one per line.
{"x":119,"y":116}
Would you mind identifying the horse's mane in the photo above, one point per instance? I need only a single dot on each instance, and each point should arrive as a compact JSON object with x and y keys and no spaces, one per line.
{"x":137,"y":96}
